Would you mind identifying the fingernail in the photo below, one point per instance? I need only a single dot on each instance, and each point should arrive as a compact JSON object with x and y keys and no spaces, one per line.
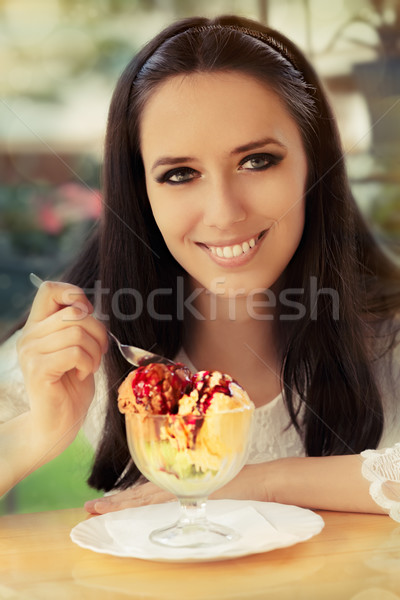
{"x":90,"y":505}
{"x":102,"y":506}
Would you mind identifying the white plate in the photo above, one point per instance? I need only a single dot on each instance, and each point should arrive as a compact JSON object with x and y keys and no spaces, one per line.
{"x":125,"y":533}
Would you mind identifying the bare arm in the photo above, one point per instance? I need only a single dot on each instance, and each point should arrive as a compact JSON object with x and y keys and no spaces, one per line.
{"x":59,"y":351}
{"x":22,"y":451}
{"x":330,"y":483}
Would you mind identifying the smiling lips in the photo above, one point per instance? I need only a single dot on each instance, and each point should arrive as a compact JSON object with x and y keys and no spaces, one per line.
{"x":236,"y":250}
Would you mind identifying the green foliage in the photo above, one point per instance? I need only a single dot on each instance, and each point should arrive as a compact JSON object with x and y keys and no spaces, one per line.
{"x":383,"y":216}
{"x":385,"y":212}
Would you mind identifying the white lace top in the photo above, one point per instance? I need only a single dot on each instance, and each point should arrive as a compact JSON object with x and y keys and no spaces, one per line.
{"x":271,"y":439}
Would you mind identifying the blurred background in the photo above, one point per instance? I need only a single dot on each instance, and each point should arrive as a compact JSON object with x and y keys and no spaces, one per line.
{"x":59,"y":62}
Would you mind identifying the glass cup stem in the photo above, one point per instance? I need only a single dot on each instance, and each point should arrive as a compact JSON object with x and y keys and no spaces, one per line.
{"x":192,"y":512}
{"x":193,"y":530}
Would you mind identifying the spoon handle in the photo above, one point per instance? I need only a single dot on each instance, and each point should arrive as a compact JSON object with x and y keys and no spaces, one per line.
{"x":35,"y":280}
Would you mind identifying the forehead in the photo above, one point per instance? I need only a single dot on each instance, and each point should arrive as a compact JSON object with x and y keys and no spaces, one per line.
{"x":226,"y":108}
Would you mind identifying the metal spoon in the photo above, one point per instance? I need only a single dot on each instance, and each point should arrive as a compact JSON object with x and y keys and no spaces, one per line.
{"x":135,"y":356}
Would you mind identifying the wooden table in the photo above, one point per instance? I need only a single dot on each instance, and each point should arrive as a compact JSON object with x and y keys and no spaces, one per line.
{"x":355,"y":557}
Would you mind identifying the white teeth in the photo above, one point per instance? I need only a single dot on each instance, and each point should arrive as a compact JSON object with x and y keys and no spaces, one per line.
{"x":228,"y":253}
{"x":232,"y":251}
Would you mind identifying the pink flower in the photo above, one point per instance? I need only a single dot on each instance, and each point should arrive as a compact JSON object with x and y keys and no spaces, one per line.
{"x":79,"y":202}
{"x":49,"y":220}
{"x":69,"y":203}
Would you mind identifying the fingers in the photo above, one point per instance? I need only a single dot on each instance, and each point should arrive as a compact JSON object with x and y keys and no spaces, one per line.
{"x":90,"y":506}
{"x":51,"y":349}
{"x":52,"y":296}
{"x":59,"y":363}
{"x":65,"y":334}
{"x":73,"y":338}
{"x":138,"y":495}
{"x":68,"y":323}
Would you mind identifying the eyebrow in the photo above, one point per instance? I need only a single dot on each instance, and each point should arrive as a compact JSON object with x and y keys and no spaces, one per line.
{"x":175,"y":160}
{"x":171,"y":160}
{"x":257,"y":144}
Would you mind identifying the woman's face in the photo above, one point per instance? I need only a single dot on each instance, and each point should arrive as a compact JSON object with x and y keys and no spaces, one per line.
{"x":225,"y":175}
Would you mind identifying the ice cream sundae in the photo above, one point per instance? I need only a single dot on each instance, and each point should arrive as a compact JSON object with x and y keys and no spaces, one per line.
{"x":186,"y":432}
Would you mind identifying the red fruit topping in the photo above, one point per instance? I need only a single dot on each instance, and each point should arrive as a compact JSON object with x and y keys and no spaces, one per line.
{"x":158,"y":387}
{"x":206,"y":390}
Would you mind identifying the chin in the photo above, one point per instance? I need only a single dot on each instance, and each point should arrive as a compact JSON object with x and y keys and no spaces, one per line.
{"x":238,"y":286}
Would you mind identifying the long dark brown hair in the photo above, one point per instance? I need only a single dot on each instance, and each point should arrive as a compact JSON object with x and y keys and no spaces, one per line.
{"x":327,"y":361}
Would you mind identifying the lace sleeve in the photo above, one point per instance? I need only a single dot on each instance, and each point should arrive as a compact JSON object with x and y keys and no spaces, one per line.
{"x":13,"y":396}
{"x":381,"y":467}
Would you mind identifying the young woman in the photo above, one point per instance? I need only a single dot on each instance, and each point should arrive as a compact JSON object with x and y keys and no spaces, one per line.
{"x":229,"y":239}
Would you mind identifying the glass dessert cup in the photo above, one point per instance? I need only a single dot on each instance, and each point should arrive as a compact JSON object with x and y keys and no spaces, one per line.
{"x":191,"y":457}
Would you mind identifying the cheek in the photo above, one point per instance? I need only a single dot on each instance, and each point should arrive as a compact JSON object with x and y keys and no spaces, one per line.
{"x":176,"y":218}
{"x":289,"y":230}
{"x":173,"y":222}
{"x":291,"y":211}
{"x":293,"y":214}
{"x":279,"y":193}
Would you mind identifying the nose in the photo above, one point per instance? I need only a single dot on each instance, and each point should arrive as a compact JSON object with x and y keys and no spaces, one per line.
{"x":223,"y":206}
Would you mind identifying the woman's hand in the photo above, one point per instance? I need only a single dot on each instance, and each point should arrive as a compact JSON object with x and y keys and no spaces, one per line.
{"x":137,"y":495}
{"x":247,"y":485}
{"x":59,"y":351}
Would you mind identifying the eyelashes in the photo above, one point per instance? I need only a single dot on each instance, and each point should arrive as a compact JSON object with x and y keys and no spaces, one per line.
{"x":263,"y":159}
{"x":181,"y":174}
{"x":256,"y":162}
